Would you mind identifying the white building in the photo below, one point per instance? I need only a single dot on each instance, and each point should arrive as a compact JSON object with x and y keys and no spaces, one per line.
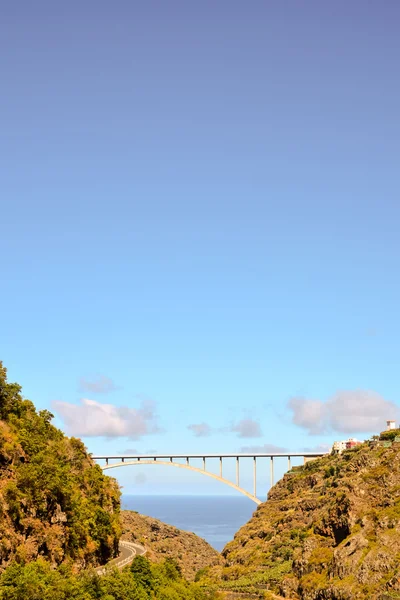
{"x":390,"y":425}
{"x":339,"y":447}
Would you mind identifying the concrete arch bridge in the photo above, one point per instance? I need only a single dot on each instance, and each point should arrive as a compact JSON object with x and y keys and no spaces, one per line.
{"x":182,"y":461}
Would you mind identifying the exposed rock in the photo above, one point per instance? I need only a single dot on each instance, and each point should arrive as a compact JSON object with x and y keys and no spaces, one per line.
{"x":55,"y":503}
{"x":330,"y":530}
{"x":59,"y":516}
{"x":161,"y":540}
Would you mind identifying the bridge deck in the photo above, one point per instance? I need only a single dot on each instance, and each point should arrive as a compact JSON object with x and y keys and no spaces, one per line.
{"x":237,"y":455}
{"x":170,"y":460}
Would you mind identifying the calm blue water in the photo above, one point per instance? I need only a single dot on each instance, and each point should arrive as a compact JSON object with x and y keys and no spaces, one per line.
{"x":214,"y":518}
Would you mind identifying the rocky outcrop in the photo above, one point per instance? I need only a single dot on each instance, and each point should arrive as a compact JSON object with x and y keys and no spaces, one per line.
{"x":191,"y":552}
{"x":329,"y":531}
{"x":55,"y":503}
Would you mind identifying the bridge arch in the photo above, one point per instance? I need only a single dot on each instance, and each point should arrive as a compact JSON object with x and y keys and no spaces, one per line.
{"x":127,"y":463}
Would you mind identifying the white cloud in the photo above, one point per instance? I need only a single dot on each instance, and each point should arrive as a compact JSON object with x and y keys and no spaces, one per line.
{"x":264,"y":449}
{"x":273,"y":449}
{"x":99,"y":385}
{"x":200,"y":429}
{"x":346,"y":412}
{"x":247,"y":428}
{"x":318,"y":448}
{"x":309,"y":414}
{"x":92,"y":418}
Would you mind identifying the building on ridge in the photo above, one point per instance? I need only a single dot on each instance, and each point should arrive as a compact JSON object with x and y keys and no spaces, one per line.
{"x":352,"y":443}
{"x":339,"y":447}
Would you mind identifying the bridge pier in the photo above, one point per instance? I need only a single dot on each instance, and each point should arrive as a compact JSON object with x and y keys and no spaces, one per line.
{"x":271,"y":472}
{"x":183,"y":461}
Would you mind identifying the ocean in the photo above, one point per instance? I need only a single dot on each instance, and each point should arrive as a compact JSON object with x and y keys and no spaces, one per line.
{"x":214,"y":518}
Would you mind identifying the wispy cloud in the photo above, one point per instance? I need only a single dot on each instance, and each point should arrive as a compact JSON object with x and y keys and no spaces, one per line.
{"x":273,"y":449}
{"x":200,"y":429}
{"x":135,"y":451}
{"x":98,"y":385}
{"x":317,"y":448}
{"x":246,"y":428}
{"x":346,"y":412}
{"x":264,"y":449}
{"x":91,"y":418}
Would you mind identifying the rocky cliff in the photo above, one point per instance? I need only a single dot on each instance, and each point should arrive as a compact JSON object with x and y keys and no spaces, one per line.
{"x":191,"y":552}
{"x":329,"y":531}
{"x":54,"y":501}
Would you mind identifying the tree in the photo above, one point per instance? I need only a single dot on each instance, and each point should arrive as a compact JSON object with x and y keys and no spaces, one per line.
{"x":173,"y":571}
{"x":142,"y":573}
{"x":46,"y":415}
{"x":10,"y":396}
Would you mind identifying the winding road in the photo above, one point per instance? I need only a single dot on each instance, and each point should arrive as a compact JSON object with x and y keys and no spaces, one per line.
{"x":128,"y":551}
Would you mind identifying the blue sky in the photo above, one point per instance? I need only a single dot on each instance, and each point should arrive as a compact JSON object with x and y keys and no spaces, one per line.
{"x":200,"y":202}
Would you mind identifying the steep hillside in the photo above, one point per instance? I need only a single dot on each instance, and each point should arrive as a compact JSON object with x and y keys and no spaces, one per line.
{"x":54,"y":501}
{"x":329,"y":531}
{"x":165,"y":541}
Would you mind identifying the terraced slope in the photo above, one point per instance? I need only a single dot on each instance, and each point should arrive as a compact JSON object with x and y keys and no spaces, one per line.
{"x":329,"y":531}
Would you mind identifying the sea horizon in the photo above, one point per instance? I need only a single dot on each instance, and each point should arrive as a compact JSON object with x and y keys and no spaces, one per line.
{"x":216,"y":519}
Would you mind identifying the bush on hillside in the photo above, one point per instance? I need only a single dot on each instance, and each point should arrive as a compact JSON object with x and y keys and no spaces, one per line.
{"x":143,"y":581}
{"x":54,"y":501}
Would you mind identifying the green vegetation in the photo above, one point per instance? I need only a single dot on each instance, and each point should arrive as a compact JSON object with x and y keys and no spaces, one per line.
{"x":330,"y":530}
{"x":390,"y":435}
{"x":141,"y":581}
{"x":54,"y":501}
{"x":59,"y":515}
{"x":165,"y":541}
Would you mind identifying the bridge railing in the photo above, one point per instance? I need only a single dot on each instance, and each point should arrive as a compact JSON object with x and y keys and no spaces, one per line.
{"x":174,"y":460}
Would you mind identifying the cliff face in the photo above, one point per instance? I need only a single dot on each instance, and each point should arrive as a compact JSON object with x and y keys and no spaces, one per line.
{"x":191,"y":552}
{"x":329,"y":531}
{"x":54,"y":501}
